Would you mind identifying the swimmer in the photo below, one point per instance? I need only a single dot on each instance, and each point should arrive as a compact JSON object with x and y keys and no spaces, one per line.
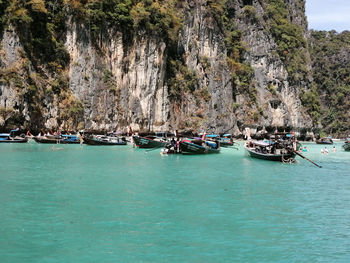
{"x":325,"y":150}
{"x":55,"y":149}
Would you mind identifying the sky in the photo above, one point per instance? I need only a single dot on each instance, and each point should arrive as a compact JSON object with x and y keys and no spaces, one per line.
{"x":328,"y":14}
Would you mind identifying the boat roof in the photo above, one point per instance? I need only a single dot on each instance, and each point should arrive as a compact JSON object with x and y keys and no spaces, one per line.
{"x":212,"y":135}
{"x":4,"y":134}
{"x":262,"y":143}
{"x":69,"y":135}
{"x":227,"y":134}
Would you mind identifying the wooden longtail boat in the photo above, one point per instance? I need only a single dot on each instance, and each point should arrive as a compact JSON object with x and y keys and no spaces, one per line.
{"x":105,"y":140}
{"x":7,"y":138}
{"x":346,"y":146}
{"x":57,"y":139}
{"x":149,"y":141}
{"x":324,"y":141}
{"x":225,"y":140}
{"x":281,"y":152}
{"x":188,"y":146}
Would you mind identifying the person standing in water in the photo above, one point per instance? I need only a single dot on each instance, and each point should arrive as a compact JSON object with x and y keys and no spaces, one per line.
{"x":81,"y":140}
{"x":325,"y":150}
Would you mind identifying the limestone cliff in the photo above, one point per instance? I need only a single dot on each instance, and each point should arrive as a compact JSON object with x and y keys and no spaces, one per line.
{"x":227,"y":68}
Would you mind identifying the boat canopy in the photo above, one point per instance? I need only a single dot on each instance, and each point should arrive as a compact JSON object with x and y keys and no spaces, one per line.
{"x":212,"y":136}
{"x":262,"y":143}
{"x":69,"y":136}
{"x":227,"y":135}
{"x":4,"y":134}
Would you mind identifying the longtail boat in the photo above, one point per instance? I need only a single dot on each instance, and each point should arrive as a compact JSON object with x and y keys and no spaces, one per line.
{"x":346,"y":145}
{"x":272,"y":151}
{"x":198,"y":146}
{"x":57,"y":139}
{"x":224,"y":140}
{"x":149,"y":141}
{"x":8,"y":138}
{"x":105,"y":140}
{"x":324,"y":141}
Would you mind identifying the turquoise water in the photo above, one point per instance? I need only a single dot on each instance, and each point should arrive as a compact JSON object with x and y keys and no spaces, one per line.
{"x":119,"y":204}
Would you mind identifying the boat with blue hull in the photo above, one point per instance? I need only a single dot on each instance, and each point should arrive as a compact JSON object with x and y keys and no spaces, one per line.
{"x":7,"y":138}
{"x":11,"y":138}
{"x":57,"y":139}
{"x":198,"y":146}
{"x":224,"y":140}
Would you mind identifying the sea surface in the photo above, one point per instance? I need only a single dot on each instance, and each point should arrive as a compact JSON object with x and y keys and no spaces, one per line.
{"x":120,"y":204}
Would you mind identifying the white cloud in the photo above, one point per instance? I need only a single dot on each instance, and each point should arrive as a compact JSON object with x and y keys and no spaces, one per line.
{"x":328,"y":15}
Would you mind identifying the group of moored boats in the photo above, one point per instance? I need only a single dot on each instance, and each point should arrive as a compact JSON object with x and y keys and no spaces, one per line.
{"x":197,"y":145}
{"x":12,"y":138}
{"x":280,"y":147}
{"x":64,"y":139}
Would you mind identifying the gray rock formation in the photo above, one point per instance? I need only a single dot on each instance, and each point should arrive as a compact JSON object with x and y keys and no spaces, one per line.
{"x":121,"y":85}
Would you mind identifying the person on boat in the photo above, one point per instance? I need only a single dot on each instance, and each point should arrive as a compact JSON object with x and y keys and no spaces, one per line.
{"x":28,"y":133}
{"x":294,"y":142}
{"x":177,"y":144}
{"x":173,"y":142}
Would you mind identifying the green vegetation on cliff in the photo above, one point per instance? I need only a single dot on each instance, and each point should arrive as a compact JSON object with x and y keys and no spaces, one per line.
{"x":40,"y":26}
{"x":41,"y":72}
{"x":158,"y":18}
{"x":330,"y":53}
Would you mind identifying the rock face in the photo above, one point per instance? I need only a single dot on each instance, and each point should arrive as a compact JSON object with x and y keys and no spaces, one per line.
{"x":123,"y":84}
{"x":118,"y":85}
{"x":277,"y":96}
